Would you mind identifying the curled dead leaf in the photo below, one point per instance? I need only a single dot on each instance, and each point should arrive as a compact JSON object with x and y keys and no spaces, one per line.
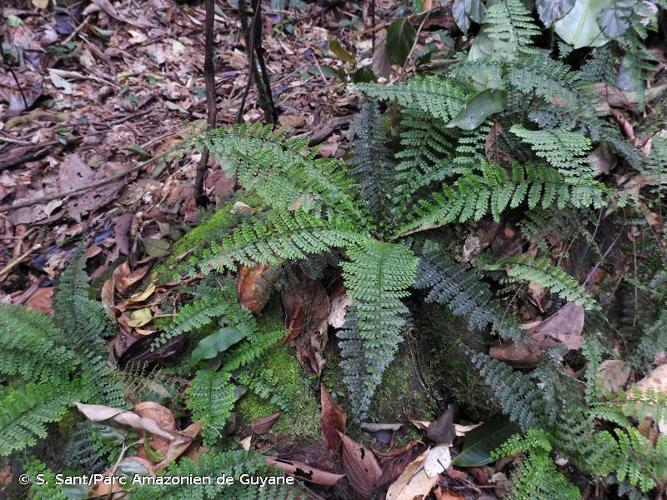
{"x":361,"y":467}
{"x":304,"y":471}
{"x":261,"y":425}
{"x":332,"y":419}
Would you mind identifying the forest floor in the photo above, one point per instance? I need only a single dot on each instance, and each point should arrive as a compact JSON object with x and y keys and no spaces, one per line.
{"x":105,"y":89}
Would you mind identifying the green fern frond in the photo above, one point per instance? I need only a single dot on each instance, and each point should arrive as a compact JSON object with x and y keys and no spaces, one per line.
{"x":27,"y":408}
{"x":541,"y":271}
{"x":27,"y":346}
{"x":441,"y":99}
{"x":549,"y":79}
{"x":279,"y":236}
{"x":49,"y":488}
{"x":427,"y":145}
{"x":520,"y":399}
{"x":376,"y":278}
{"x":211,"y":398}
{"x":285,"y":173}
{"x":373,"y":165}
{"x":474,"y":196}
{"x":511,"y":27}
{"x":458,"y":286}
{"x":564,"y":150}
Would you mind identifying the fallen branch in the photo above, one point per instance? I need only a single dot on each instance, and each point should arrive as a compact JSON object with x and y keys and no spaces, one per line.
{"x":102,"y":182}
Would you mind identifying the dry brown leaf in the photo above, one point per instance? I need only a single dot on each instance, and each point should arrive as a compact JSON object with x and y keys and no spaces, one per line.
{"x":254,"y":286}
{"x":564,"y":326}
{"x":100,"y":413}
{"x":613,"y":374}
{"x":261,"y":425}
{"x":333,"y":420}
{"x":517,"y":353}
{"x":307,"y":311}
{"x":413,"y":482}
{"x":122,"y":232}
{"x":180,"y":445}
{"x":41,"y":300}
{"x":125,"y":278}
{"x":361,"y":467}
{"x":304,"y":471}
{"x":655,"y":381}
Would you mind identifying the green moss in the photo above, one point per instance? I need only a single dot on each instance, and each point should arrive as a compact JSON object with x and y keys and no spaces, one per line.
{"x":302,"y":421}
{"x":445,"y":342}
{"x":199,"y":238}
{"x":399,"y":397}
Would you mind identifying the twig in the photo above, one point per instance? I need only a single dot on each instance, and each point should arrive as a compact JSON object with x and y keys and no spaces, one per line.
{"x":11,"y":70}
{"x":250,"y":42}
{"x":26,"y":157}
{"x":209,"y":76}
{"x":18,"y":260}
{"x":102,"y":182}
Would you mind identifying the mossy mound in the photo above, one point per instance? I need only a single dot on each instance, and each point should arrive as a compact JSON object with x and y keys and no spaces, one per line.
{"x":446,"y":342}
{"x":302,"y":421}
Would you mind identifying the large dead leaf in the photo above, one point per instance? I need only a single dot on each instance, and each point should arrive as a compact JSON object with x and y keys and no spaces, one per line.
{"x":254,"y":286}
{"x":101,"y":413}
{"x":307,"y":311}
{"x":413,"y":482}
{"x":41,"y":300}
{"x":180,"y":445}
{"x":361,"y":467}
{"x":656,"y":381}
{"x":262,"y":425}
{"x":563,"y":326}
{"x":304,"y":471}
{"x":333,"y":420}
{"x":613,"y":374}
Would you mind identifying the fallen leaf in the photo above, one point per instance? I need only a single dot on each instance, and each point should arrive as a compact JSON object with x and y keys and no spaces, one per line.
{"x":524,"y":353}
{"x":141,"y":296}
{"x":125,"y":278}
{"x":163,"y":417}
{"x":333,"y":420}
{"x":255,"y":285}
{"x":413,"y":482}
{"x":180,"y":445}
{"x":121,"y":232}
{"x":139,"y":317}
{"x":41,"y":300}
{"x":100,"y":413}
{"x":340,"y":301}
{"x":437,"y":460}
{"x":442,"y":429}
{"x":377,"y":427}
{"x":261,"y":425}
{"x":613,"y":374}
{"x":304,"y":471}
{"x":564,"y":326}
{"x":656,"y":381}
{"x":292,"y":121}
{"x":361,"y":467}
{"x":307,"y":311}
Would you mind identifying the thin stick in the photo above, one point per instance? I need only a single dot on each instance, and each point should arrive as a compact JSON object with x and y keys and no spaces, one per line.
{"x":102,"y":182}
{"x":18,"y":260}
{"x":11,"y":70}
{"x":209,"y":76}
{"x":250,"y":41}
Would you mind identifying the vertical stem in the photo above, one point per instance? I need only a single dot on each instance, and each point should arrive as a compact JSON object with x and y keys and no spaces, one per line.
{"x":209,"y":76}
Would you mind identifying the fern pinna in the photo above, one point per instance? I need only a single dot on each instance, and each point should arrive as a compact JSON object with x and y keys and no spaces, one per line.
{"x":53,"y":362}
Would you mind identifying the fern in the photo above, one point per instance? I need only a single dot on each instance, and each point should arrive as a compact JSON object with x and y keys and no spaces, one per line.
{"x":46,"y":490}
{"x":27,"y":346}
{"x":27,"y":408}
{"x":511,"y":28}
{"x":474,"y":196}
{"x":376,"y":278}
{"x":211,"y":398}
{"x":564,"y":150}
{"x":373,"y":166}
{"x":516,"y":393}
{"x":536,"y":475}
{"x":284,"y":173}
{"x":459,"y":287}
{"x":542,"y":272}
{"x":441,"y":99}
{"x":279,"y":236}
